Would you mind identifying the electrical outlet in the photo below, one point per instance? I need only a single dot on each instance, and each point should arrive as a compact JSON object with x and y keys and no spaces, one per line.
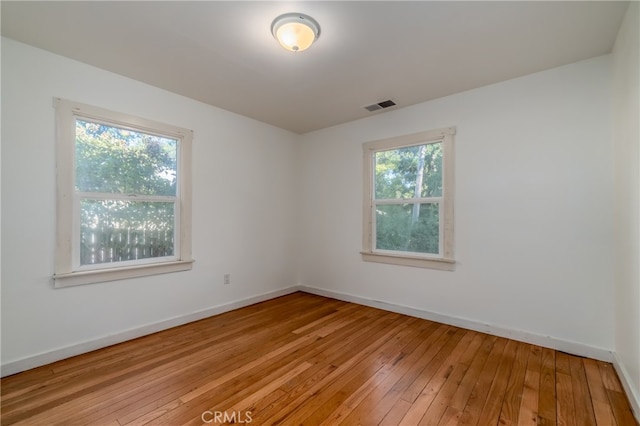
{"x":227,"y":279}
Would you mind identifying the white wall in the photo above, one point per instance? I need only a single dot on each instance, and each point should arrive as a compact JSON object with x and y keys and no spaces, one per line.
{"x":533,"y":207}
{"x":626,"y":108}
{"x":243,"y":175}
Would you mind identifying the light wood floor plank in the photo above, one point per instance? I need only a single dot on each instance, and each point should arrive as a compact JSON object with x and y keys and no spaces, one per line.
{"x":547,"y":396}
{"x":599,"y":397}
{"x":422,"y":403}
{"x":490,"y":414}
{"x":451,"y":383}
{"x":305,"y":359}
{"x":530,"y":395}
{"x":565,"y":402}
{"x":345,"y":380}
{"x":337,"y":351}
{"x":379,"y":402}
{"x":460,"y":398}
{"x":477,"y":399}
{"x":581,"y":395}
{"x":509,"y":412}
{"x":365,"y":405}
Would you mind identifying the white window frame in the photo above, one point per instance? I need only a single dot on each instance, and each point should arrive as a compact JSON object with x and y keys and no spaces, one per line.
{"x":68,"y":271}
{"x":444,"y":260}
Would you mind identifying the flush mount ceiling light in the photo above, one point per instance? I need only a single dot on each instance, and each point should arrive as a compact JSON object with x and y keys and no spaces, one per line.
{"x":295,"y":31}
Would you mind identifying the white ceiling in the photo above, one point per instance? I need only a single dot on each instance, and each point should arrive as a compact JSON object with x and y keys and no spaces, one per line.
{"x":223,"y":54}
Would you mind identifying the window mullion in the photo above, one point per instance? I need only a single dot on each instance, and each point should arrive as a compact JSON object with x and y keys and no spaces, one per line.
{"x":429,"y":200}
{"x":127,"y":197}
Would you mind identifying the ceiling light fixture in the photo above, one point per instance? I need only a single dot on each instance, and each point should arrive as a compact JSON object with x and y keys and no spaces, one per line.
{"x":295,"y":31}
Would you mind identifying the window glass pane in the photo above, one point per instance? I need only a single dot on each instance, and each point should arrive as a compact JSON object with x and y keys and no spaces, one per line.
{"x":117,"y":231}
{"x":408,"y":227}
{"x":399,"y":172}
{"x":114,"y":160}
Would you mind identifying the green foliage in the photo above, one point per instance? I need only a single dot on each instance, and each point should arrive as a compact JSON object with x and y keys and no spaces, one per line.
{"x":397,"y":172}
{"x":408,"y":173}
{"x":396,"y":230}
{"x":114,"y":160}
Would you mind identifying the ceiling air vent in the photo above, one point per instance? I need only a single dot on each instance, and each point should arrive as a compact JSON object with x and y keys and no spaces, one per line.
{"x":380,"y":105}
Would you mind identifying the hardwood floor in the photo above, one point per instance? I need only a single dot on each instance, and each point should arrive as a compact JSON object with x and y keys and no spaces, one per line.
{"x":305,"y":359}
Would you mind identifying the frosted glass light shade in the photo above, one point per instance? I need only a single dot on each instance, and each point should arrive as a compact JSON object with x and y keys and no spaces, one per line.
{"x":295,"y":31}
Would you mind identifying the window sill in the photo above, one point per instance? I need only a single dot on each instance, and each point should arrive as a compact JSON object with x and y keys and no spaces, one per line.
{"x":114,"y":274}
{"x":419,"y":262}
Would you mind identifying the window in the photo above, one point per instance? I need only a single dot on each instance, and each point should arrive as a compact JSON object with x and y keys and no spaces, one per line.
{"x":408,"y":200}
{"x":123,"y":196}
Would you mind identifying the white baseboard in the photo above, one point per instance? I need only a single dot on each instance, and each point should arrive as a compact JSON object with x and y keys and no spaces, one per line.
{"x":519,"y":335}
{"x":102,"y":342}
{"x":633,"y":394}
